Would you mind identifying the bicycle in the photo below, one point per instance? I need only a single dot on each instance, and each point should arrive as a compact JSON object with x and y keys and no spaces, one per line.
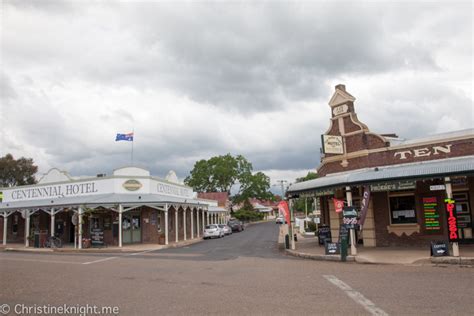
{"x":53,"y":242}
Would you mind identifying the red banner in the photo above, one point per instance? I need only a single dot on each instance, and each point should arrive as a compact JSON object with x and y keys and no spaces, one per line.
{"x":338,"y":205}
{"x":283,"y":208}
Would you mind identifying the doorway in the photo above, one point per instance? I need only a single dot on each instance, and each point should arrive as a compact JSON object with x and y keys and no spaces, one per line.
{"x":131,"y":228}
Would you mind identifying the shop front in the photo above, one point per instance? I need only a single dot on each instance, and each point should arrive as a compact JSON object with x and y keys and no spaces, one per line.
{"x":128,"y":207}
{"x":403,"y":190}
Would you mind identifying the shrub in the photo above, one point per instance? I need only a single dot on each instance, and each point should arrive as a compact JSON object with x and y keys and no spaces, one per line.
{"x":248,"y":216}
{"x":311,"y":227}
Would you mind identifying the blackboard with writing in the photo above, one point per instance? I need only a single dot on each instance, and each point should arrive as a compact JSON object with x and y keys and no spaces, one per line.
{"x":97,"y":237}
{"x":324,"y":234}
{"x":332,"y":248}
{"x":439,"y":249}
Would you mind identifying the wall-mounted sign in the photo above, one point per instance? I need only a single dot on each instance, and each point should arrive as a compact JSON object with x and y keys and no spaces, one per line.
{"x":341,"y":109}
{"x":132,"y":185}
{"x":438,"y":187}
{"x":423,"y":152}
{"x":332,"y":144}
{"x":349,"y":217}
{"x":431,"y":214}
{"x":338,"y":205}
{"x":452,"y":220}
{"x":393,"y":186}
{"x":325,"y":192}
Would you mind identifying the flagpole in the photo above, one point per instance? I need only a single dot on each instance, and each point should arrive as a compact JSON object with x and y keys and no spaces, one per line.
{"x":133,"y":139}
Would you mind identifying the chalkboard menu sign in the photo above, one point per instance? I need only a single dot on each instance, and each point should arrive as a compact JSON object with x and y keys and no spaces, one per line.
{"x":431,"y":214}
{"x":439,"y":249}
{"x":343,"y":232}
{"x":97,"y":237}
{"x":324,"y":234}
{"x":332,"y":248}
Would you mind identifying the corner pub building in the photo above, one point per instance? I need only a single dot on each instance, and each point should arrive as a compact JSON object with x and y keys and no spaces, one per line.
{"x":128,"y":207}
{"x":412,"y":188}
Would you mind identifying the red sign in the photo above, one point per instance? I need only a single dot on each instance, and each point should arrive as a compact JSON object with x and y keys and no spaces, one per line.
{"x":283,"y":208}
{"x":338,"y":205}
{"x":452,"y":221}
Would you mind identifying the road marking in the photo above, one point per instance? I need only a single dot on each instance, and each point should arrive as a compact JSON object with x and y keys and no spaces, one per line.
{"x":37,"y":260}
{"x":100,"y":260}
{"x":139,"y":253}
{"x":356,"y":296}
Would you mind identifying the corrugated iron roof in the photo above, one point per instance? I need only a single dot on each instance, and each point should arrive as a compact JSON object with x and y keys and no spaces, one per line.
{"x":425,"y":169}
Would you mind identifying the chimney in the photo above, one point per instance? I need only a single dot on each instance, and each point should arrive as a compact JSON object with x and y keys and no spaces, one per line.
{"x":341,"y":87}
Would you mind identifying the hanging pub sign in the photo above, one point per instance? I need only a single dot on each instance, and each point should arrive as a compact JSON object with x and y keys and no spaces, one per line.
{"x":439,"y":249}
{"x":431,"y":214}
{"x":332,"y":144}
{"x":452,"y":220}
{"x":338,"y":205}
{"x":393,"y":186}
{"x":349,"y":217}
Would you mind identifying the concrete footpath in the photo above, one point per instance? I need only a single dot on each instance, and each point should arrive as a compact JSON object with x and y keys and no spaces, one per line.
{"x":113,"y":249}
{"x":308,"y":247}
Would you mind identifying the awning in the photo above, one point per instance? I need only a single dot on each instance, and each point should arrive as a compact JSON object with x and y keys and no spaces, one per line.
{"x":216,"y":209}
{"x":105,"y":200}
{"x":419,"y":170}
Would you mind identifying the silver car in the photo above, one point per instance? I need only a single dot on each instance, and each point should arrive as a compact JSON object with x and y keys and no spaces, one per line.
{"x":213,"y":230}
{"x":227,"y":230}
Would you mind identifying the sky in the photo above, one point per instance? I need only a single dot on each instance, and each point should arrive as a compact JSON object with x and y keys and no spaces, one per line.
{"x":198,"y":79}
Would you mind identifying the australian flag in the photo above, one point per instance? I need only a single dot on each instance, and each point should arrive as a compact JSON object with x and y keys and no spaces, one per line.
{"x":128,"y":137}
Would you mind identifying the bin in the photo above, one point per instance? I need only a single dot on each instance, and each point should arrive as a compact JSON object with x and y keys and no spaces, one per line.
{"x":287,"y":241}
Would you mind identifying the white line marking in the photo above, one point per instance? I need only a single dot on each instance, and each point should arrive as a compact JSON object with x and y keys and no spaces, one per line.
{"x":356,"y":296}
{"x":100,"y":260}
{"x":37,"y":260}
{"x":139,"y":253}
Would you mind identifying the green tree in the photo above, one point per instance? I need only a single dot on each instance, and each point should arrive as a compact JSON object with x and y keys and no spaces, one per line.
{"x":16,"y":172}
{"x":221,"y":173}
{"x":309,"y":176}
{"x":301,"y":204}
{"x":254,"y":186}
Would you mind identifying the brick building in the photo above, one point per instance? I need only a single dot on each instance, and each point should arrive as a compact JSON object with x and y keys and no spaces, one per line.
{"x":131,"y":206}
{"x":406,"y":182}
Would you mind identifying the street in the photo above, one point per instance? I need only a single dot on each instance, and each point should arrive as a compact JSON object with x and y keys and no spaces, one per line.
{"x":244,"y":273}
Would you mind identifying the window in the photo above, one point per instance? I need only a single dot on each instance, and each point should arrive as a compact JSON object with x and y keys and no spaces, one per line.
{"x":402,"y":209}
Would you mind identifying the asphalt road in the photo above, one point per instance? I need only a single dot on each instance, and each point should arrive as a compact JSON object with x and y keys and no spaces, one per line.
{"x":240,"y":274}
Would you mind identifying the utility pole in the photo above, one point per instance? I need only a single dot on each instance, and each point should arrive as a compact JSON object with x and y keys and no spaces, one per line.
{"x":282,"y":184}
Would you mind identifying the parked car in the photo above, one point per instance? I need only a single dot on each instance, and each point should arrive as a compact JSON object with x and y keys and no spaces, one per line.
{"x":227,"y":230}
{"x":213,"y":230}
{"x":280,"y":220}
{"x":235,"y":225}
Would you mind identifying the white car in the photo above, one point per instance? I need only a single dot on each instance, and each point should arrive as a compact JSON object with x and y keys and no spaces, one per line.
{"x":213,"y":230}
{"x":227,"y":230}
{"x":280,"y":220}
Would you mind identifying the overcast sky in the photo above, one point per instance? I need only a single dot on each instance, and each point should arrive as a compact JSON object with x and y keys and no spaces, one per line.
{"x":195,"y":80}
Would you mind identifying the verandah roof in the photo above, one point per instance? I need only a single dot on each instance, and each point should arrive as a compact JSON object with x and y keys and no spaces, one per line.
{"x":419,"y":170}
{"x":105,"y":200}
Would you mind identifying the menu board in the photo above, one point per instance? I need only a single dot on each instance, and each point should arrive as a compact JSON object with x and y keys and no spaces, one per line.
{"x":431,"y":214}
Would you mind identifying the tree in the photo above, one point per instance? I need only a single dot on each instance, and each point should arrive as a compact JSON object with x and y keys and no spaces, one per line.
{"x":254,"y":186}
{"x":305,"y":203}
{"x":16,"y":172}
{"x":221,"y":173}
{"x":309,"y":176}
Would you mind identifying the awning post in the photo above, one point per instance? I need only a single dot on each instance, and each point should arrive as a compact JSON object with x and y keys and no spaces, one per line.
{"x":184,"y":221}
{"x":449,"y":195}
{"x":5,"y":225}
{"x":352,"y":231}
{"x":166,"y":224}
{"x":120,"y":228}
{"x":79,"y":227}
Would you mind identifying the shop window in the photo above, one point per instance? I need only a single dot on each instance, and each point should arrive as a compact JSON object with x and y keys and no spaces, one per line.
{"x":402,"y":209}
